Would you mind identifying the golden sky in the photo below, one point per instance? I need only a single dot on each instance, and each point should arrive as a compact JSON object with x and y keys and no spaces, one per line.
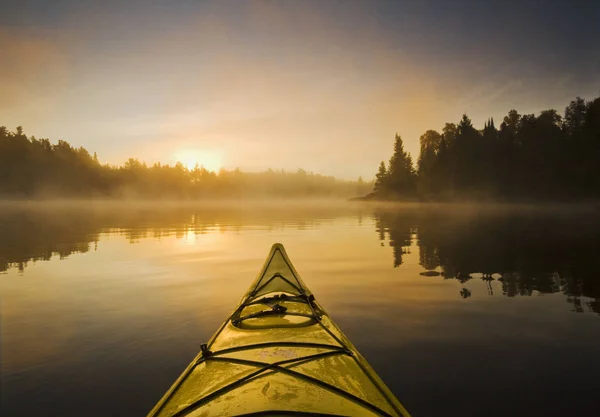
{"x":322,"y":86}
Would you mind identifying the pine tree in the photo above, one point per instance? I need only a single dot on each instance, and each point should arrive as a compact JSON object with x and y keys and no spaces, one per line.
{"x":401,"y":172}
{"x":381,"y":178}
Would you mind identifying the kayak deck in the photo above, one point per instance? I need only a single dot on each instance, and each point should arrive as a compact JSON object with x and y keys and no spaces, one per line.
{"x":278,"y":353}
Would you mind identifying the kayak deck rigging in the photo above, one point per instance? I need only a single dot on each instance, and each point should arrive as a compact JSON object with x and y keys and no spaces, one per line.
{"x":296,"y":340}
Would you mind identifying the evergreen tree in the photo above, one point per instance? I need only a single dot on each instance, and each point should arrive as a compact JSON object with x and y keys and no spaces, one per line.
{"x":430,"y":146}
{"x":512,"y":121}
{"x":401,"y":172}
{"x":575,"y":117}
{"x":467,"y":151}
{"x":381,"y":178}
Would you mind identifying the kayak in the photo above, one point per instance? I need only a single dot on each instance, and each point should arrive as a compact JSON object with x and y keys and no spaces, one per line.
{"x":278,"y":354}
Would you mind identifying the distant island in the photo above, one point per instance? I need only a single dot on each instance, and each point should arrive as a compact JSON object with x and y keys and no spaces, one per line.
{"x":547,"y":157}
{"x":37,"y":168}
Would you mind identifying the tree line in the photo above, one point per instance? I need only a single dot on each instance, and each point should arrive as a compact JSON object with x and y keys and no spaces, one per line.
{"x":31,"y":167}
{"x":548,"y":156}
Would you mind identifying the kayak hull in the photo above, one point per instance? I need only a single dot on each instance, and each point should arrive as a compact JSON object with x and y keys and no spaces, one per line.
{"x":279,"y":353}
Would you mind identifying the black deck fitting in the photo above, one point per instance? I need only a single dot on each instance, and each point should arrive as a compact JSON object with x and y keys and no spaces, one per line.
{"x":205,"y":350}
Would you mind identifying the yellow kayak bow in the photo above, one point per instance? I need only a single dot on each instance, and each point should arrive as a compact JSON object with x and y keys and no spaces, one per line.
{"x":278,"y":354}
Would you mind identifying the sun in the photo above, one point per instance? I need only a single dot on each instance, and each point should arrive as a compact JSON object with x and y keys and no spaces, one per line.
{"x":190,"y":158}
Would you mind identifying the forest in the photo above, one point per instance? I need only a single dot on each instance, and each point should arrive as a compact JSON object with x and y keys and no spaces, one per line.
{"x":37,"y":168}
{"x":528,"y":157}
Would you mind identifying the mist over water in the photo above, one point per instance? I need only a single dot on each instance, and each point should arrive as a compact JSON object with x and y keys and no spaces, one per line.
{"x":457,"y":307}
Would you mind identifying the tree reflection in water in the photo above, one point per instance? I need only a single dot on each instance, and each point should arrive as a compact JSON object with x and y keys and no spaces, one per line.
{"x":529,"y":251}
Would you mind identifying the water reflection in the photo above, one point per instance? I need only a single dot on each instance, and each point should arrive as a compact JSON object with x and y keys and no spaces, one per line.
{"x":142,"y":286}
{"x":37,"y":232}
{"x":529,"y":251}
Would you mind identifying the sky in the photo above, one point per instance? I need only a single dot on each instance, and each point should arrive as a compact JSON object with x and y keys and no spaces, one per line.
{"x":318,"y":85}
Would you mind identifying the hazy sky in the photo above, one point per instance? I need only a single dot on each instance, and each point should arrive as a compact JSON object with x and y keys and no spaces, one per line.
{"x":321,"y":85}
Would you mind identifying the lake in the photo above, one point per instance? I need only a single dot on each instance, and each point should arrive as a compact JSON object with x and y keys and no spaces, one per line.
{"x":462,"y":310}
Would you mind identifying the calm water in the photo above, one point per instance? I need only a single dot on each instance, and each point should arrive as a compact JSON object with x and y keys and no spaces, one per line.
{"x":461,"y":311}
